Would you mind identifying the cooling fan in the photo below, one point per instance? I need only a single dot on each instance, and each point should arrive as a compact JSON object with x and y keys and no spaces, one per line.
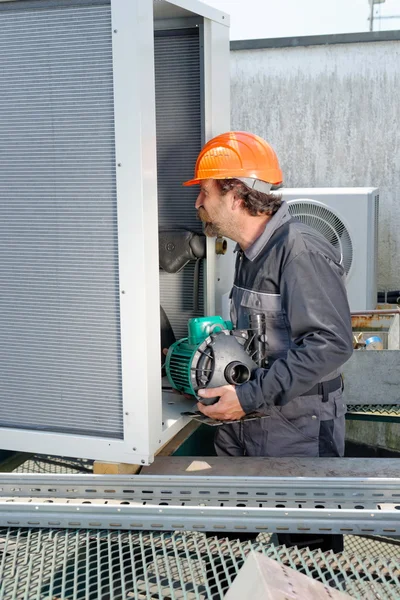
{"x":323,"y":219}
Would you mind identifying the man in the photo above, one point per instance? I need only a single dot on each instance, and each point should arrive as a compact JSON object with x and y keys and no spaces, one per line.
{"x":292,"y":275}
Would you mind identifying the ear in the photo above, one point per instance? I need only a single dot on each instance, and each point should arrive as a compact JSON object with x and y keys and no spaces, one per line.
{"x":236,"y":202}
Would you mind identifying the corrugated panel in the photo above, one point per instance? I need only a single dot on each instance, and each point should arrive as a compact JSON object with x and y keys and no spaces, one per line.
{"x":59,"y":303}
{"x":178,"y":112}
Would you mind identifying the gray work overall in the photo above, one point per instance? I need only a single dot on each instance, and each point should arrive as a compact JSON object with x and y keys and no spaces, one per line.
{"x":294,"y":277}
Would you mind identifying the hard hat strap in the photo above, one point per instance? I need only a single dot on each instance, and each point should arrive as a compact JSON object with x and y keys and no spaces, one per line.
{"x":256,"y":184}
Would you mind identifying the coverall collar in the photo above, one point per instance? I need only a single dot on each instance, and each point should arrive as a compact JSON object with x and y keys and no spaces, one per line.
{"x":281,"y":217}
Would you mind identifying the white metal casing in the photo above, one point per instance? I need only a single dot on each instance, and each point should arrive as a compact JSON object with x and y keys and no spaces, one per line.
{"x":358,"y":209}
{"x":150,"y":417}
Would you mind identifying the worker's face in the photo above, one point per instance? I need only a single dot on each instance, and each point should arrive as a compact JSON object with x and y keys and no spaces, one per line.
{"x":213,"y":209}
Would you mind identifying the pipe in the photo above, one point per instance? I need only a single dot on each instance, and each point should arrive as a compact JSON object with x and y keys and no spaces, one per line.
{"x":383,"y":311}
{"x":371,"y":15}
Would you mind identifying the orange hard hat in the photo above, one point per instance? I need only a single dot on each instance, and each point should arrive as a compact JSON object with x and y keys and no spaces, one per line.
{"x":238,"y":155}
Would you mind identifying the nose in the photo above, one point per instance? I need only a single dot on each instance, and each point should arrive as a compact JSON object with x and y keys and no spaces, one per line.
{"x":198,"y":202}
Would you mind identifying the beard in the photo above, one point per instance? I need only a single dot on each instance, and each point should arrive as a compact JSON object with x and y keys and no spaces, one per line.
{"x":210,"y":229}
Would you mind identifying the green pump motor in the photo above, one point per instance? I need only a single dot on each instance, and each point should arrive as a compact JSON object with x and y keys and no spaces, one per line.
{"x":215,"y":354}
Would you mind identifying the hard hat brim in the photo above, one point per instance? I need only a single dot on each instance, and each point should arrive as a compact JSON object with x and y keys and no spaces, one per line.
{"x":191,"y":182}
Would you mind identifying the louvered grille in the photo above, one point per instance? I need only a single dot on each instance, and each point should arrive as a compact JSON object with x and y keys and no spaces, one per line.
{"x":178,"y":110}
{"x":328,"y":224}
{"x":59,"y":309}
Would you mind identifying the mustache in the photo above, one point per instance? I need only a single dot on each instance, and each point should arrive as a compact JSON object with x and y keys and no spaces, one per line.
{"x":210,"y":229}
{"x":202,"y":215}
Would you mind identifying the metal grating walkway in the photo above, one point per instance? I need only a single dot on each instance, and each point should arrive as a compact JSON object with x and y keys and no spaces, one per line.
{"x":374,"y":412}
{"x":40,"y":463}
{"x":49,"y":564}
{"x":80,"y":562}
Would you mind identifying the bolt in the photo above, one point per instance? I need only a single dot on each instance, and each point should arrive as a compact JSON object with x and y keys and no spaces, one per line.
{"x":120,"y":164}
{"x":115,"y":30}
{"x":122,"y":291}
{"x":134,"y":449}
{"x":126,"y":414}
{"x":142,"y":461}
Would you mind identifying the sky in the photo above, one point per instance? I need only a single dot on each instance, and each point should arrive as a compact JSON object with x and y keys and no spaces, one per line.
{"x":251,"y":19}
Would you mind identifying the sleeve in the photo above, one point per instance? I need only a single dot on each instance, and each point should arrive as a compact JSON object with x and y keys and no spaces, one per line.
{"x":315,"y":302}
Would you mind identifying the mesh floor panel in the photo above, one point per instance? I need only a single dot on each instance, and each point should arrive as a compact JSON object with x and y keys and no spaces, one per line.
{"x":115,"y":565}
{"x":376,"y":546}
{"x":382,"y":410}
{"x":53,"y":464}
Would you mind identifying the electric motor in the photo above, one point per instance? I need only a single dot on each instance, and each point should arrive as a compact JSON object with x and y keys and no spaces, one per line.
{"x":215,"y":354}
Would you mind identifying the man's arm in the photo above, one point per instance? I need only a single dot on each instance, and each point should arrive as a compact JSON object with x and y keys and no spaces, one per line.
{"x":315,"y":302}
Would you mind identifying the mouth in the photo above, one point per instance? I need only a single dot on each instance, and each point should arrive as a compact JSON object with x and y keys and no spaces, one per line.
{"x":210,"y":229}
{"x":203,"y":216}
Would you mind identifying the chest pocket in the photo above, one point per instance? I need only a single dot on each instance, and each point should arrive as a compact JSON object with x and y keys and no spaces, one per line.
{"x":277,"y":328}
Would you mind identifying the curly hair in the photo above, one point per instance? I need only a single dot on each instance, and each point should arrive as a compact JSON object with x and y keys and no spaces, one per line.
{"x":254,"y":202}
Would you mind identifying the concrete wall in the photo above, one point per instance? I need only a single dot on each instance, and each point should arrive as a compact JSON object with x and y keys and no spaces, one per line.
{"x":332,"y":112}
{"x":379,"y":435}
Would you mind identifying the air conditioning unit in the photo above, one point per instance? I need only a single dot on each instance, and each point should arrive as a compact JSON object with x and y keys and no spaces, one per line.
{"x":105,"y":105}
{"x":348,"y":219}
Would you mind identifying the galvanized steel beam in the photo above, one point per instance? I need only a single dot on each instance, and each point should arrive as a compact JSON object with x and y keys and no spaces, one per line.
{"x":256,"y":504}
{"x":196,"y":518}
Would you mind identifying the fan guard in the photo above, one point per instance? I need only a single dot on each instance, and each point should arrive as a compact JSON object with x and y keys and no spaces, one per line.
{"x":323,"y":219}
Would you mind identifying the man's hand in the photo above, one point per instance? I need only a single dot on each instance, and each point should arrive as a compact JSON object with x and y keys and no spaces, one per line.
{"x":228,"y":407}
